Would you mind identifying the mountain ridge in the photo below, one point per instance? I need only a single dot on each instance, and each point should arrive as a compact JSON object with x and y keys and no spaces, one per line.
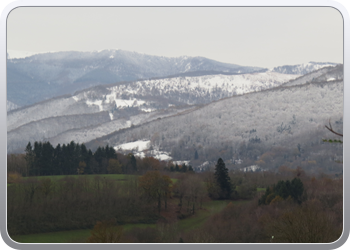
{"x":52,"y":74}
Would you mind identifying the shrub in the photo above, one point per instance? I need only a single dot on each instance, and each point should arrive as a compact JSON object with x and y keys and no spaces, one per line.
{"x":13,"y":177}
{"x":305,"y":223}
{"x":106,"y":231}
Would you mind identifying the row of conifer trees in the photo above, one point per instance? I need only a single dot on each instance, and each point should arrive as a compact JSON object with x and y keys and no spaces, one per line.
{"x":74,"y":158}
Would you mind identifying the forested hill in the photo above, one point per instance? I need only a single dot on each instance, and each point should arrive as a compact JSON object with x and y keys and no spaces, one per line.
{"x":126,"y":104}
{"x":283,"y":116}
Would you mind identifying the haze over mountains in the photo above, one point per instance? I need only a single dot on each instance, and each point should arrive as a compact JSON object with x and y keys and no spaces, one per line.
{"x":204,"y":106}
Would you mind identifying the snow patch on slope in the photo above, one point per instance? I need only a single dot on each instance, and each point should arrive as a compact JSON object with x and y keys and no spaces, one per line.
{"x":137,"y":145}
{"x":141,"y":148}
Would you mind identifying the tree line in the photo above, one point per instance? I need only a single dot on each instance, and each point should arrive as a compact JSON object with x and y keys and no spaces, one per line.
{"x":42,"y":159}
{"x":74,"y":158}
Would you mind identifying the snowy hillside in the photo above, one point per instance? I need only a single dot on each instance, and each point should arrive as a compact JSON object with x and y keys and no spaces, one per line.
{"x":302,"y":69}
{"x":197,"y":90}
{"x":34,"y":78}
{"x":332,"y":73}
{"x":44,"y":129}
{"x":83,"y":123}
{"x":132,"y":104}
{"x":281,"y":116}
{"x":146,"y":96}
{"x":86,"y":134}
{"x":53,"y":108}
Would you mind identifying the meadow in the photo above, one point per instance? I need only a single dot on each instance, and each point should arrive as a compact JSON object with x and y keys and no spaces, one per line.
{"x":209,"y":208}
{"x":66,"y":209}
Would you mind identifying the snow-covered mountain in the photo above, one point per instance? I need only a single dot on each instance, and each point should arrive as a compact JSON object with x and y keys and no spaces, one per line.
{"x":125,"y":104}
{"x":302,"y":69}
{"x":34,"y":78}
{"x":198,"y":90}
{"x":103,"y":110}
{"x":330,"y":73}
{"x":281,"y":116}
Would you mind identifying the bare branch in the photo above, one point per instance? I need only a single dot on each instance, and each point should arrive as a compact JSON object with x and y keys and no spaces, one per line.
{"x":331,"y":129}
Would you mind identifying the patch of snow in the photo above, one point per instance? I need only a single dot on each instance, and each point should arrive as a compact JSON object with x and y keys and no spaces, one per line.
{"x":252,"y":168}
{"x":181,"y":162}
{"x":75,"y":98}
{"x":143,"y":145}
{"x":147,"y":109}
{"x":161,"y":155}
{"x":111,"y":116}
{"x":140,"y":154}
{"x":139,"y":145}
{"x":112,"y":97}
{"x":331,"y":79}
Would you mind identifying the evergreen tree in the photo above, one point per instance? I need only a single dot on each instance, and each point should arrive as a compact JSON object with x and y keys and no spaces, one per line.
{"x":47,"y":152}
{"x":223,"y":180}
{"x":99,"y":156}
{"x":37,"y":155}
{"x":58,"y":160}
{"x":132,"y":162}
{"x":297,"y":190}
{"x":29,"y":157}
{"x":84,"y":156}
{"x":284,"y":189}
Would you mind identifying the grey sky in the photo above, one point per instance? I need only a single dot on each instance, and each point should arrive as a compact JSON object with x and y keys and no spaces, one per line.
{"x":250,"y":36}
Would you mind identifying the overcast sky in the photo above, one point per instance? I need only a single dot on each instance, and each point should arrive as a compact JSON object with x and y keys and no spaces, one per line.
{"x":250,"y":36}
